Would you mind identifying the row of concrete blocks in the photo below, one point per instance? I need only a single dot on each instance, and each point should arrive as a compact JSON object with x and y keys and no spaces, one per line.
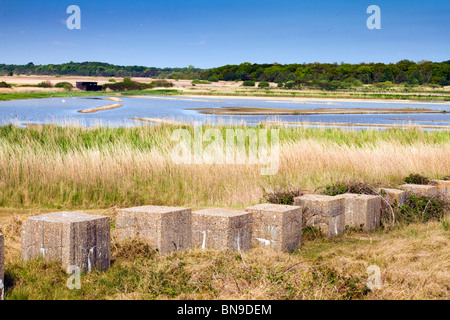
{"x":84,"y":240}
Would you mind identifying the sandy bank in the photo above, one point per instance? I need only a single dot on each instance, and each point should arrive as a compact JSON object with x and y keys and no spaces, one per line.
{"x":279,"y":111}
{"x":160,"y":121}
{"x":171,"y":98}
{"x":310,"y":99}
{"x":342,"y":124}
{"x":115,"y":99}
{"x":102,"y":108}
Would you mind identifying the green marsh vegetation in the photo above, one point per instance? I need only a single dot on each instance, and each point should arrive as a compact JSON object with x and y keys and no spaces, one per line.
{"x":75,"y":167}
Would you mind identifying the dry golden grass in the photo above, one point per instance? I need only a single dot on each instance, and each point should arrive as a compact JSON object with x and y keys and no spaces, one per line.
{"x":97,"y":168}
{"x":49,"y":168}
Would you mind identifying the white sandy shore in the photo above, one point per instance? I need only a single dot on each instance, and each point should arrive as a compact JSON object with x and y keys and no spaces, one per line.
{"x":102,"y":108}
{"x":342,"y":124}
{"x":312,"y":99}
{"x":160,"y":121}
{"x":115,"y":99}
{"x":174,"y":98}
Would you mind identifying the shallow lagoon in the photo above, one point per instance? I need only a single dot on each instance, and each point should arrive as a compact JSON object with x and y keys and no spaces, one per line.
{"x":61,"y":110}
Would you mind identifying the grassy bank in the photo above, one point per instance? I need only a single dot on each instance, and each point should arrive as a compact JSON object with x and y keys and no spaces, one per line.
{"x":418,"y":96}
{"x":74,"y":167}
{"x":62,"y":94}
{"x":326,"y":94}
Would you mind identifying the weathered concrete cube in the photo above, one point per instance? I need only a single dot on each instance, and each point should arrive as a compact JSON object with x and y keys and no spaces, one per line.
{"x":167,"y":229}
{"x":323,"y":212}
{"x":362,"y":211}
{"x":222,"y":229}
{"x":72,"y":238}
{"x":443,"y":189}
{"x":320,"y":205}
{"x":420,"y":190}
{"x":394,"y":196}
{"x":277,"y":226}
{"x":2,"y":264}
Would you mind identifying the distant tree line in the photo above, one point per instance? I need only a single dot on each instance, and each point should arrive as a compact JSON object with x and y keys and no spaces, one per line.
{"x":323,"y":75}
{"x":99,"y":69}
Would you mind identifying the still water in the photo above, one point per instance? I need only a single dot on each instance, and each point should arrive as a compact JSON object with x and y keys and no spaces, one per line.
{"x":65,"y":110}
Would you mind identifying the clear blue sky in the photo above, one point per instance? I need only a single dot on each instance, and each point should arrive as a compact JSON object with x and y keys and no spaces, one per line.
{"x":209,"y":33}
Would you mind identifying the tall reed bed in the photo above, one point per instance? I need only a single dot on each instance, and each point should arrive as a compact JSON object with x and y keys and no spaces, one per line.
{"x":76,"y":167}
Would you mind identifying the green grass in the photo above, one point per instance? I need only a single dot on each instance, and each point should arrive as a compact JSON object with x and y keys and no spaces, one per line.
{"x":336,"y":95}
{"x":45,"y":95}
{"x":430,"y":96}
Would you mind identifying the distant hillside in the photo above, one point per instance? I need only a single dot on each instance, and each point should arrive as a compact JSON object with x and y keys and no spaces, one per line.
{"x":324,"y":75}
{"x":98,"y":69}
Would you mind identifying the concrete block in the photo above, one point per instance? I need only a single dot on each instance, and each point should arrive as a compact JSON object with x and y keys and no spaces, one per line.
{"x":362,"y":210}
{"x":277,"y":226}
{"x":443,"y":189}
{"x":394,"y":196}
{"x":420,"y":189}
{"x":222,"y":229}
{"x":71,"y":238}
{"x":167,"y":229}
{"x":323,"y":212}
{"x":2,"y":265}
{"x":329,"y":226}
{"x":320,"y":205}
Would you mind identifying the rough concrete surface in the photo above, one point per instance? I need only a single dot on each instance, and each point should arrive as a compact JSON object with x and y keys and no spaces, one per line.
{"x":394,"y":196}
{"x":362,"y":211}
{"x":166,"y":228}
{"x":71,"y":238}
{"x":277,"y":226}
{"x":222,"y":229}
{"x":443,"y":189}
{"x":420,"y":189}
{"x":323,"y":212}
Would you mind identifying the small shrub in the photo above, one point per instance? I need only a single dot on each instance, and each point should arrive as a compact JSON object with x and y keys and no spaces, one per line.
{"x":422,"y":209}
{"x":414,"y":178}
{"x":341,"y":188}
{"x":129,"y":85}
{"x":249,"y":83}
{"x":197,"y":81}
{"x":213,"y":79}
{"x":3,"y":84}
{"x":161,"y":84}
{"x":289,"y":84}
{"x":45,"y":84}
{"x":263,"y":84}
{"x":112,"y":80}
{"x":282,"y":196}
